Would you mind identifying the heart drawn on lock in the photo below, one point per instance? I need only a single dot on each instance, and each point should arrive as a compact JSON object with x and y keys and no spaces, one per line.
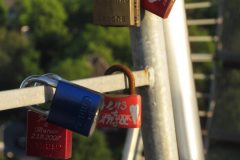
{"x":134,"y":110}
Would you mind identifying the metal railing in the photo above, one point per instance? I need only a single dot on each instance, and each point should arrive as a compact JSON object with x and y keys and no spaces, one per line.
{"x":17,"y":98}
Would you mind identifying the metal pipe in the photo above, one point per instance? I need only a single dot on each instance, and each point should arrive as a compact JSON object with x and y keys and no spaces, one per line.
{"x":131,"y":144}
{"x":185,"y":108}
{"x":158,"y":130}
{"x":139,"y":149}
{"x":17,"y":98}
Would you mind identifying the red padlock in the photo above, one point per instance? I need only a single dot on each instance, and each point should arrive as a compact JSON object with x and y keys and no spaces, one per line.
{"x":47,"y":140}
{"x":161,"y":8}
{"x":121,"y":111}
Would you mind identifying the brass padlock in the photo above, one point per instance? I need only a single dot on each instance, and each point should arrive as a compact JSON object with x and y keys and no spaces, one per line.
{"x":117,"y":12}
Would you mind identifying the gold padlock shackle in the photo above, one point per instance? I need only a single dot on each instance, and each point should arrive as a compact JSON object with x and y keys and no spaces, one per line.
{"x":127,"y":72}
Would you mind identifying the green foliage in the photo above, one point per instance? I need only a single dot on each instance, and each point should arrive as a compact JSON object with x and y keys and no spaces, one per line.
{"x":109,"y":43}
{"x":62,"y":40}
{"x":47,"y":29}
{"x":17,"y":58}
{"x":79,"y":12}
{"x":92,"y":148}
{"x":208,"y":47}
{"x":60,"y":30}
{"x":73,"y":68}
{"x":3,"y":13}
{"x":43,"y":16}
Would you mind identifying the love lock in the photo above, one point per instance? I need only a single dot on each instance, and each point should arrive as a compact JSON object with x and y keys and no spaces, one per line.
{"x":45,"y":139}
{"x":121,"y":111}
{"x":73,"y":107}
{"x":161,"y":8}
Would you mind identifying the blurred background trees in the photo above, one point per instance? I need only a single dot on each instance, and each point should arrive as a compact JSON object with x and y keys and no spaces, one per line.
{"x":226,"y":122}
{"x":40,"y":36}
{"x":225,"y":130}
{"x":55,"y":34}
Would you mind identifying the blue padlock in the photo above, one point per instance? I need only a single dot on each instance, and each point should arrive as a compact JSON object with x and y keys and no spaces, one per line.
{"x":73,"y":107}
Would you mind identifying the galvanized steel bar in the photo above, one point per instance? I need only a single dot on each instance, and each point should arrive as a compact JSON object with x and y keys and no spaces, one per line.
{"x":198,"y":22}
{"x":203,"y":38}
{"x":202,"y":95}
{"x":131,"y":144}
{"x":139,"y":154}
{"x":205,"y":114}
{"x":196,"y":5}
{"x":201,"y":76}
{"x":158,"y":130}
{"x":17,"y":98}
{"x":184,"y":100}
{"x":201,"y":57}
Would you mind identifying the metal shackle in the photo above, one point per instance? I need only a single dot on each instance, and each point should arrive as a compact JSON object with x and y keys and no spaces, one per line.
{"x":44,"y":80}
{"x":49,"y":79}
{"x":26,"y":82}
{"x":127,"y":72}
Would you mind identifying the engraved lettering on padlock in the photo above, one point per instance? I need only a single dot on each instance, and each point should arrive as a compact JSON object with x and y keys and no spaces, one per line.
{"x":83,"y":111}
{"x":117,"y":105}
{"x":123,"y":111}
{"x":119,"y":19}
{"x":48,"y":146}
{"x":107,"y":118}
{"x":113,"y":19}
{"x":117,"y":112}
{"x":41,"y":118}
{"x":45,"y":134}
{"x":123,"y":119}
{"x":121,"y":1}
{"x":117,"y":12}
{"x":109,"y":105}
{"x":47,"y":140}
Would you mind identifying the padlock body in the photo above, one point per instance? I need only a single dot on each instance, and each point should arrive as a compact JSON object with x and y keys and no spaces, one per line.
{"x":117,"y":12}
{"x":47,"y":140}
{"x":75,"y":107}
{"x":161,"y":8}
{"x":121,"y":112}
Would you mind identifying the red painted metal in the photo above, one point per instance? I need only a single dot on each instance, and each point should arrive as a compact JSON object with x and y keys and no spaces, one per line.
{"x":123,"y":111}
{"x":47,"y":140}
{"x":161,"y":8}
